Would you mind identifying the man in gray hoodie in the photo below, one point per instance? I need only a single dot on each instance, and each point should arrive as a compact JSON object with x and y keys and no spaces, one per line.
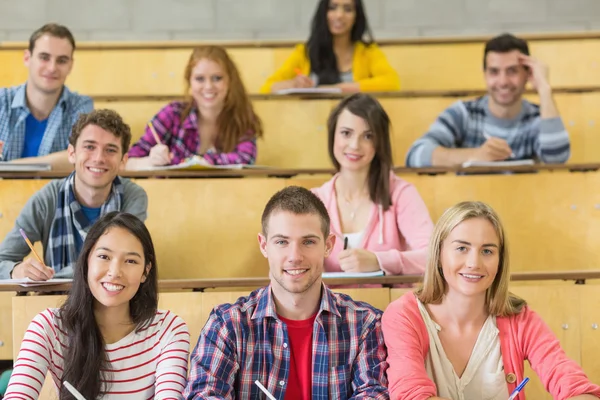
{"x":61,"y":213}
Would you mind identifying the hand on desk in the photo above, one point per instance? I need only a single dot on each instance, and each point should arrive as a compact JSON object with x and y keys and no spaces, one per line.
{"x":160,"y":155}
{"x":358,"y":260}
{"x":301,"y":81}
{"x":32,"y":269}
{"x":494,"y":149}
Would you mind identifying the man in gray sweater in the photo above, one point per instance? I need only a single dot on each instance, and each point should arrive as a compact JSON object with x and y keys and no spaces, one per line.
{"x":500,"y":125}
{"x":61,"y":213}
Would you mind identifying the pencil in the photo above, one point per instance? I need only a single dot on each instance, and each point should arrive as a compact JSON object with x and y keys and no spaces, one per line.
{"x":298,"y":71}
{"x":31,"y":247}
{"x":264,"y":390}
{"x":156,"y":137}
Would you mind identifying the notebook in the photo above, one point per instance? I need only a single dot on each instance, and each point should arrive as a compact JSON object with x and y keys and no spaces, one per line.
{"x":352,"y":274}
{"x":26,"y":282}
{"x":6,"y":166}
{"x":316,"y":90}
{"x":199,"y":164}
{"x":512,"y":163}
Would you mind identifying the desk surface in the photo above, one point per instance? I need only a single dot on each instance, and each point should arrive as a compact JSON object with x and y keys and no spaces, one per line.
{"x":286,"y":173}
{"x":388,"y":281}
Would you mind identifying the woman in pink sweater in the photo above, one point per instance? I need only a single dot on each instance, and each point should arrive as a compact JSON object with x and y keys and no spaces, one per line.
{"x":380,"y":221}
{"x":464,"y":335}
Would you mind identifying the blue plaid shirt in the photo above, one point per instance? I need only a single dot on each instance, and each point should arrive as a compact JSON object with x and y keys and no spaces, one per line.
{"x":14,"y":112}
{"x":246,"y":341}
{"x":463,"y":124}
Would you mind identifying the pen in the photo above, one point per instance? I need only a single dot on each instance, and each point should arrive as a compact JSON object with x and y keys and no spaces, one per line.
{"x":516,"y":392}
{"x":298,"y":71}
{"x":345,"y":242}
{"x":156,"y":137}
{"x":264,"y":389}
{"x":487,"y":136}
{"x":31,"y":247}
{"x":73,"y":391}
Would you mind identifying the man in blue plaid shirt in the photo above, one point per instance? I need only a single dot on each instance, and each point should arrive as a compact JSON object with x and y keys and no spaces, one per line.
{"x":36,"y":117}
{"x":295,"y":337}
{"x":500,"y":125}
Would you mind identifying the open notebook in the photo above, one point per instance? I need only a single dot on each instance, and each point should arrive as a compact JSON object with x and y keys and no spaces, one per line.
{"x":352,"y":274}
{"x":512,"y":163}
{"x":26,"y":282}
{"x":315,"y":90}
{"x":198,"y":164}
{"x":12,"y":167}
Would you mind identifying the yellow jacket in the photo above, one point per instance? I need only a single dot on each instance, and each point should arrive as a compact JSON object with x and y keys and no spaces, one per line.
{"x":370,"y":69}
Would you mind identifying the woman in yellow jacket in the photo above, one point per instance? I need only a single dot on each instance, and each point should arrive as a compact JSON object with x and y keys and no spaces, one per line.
{"x":336,"y":54}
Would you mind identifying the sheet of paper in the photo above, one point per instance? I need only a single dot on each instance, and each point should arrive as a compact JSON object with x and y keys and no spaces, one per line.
{"x":512,"y":163}
{"x":26,"y":282}
{"x":11,"y":167}
{"x":352,"y":274}
{"x":198,"y":164}
{"x":309,"y":91}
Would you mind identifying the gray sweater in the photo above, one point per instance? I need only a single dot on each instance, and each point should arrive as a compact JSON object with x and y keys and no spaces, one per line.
{"x":36,"y":219}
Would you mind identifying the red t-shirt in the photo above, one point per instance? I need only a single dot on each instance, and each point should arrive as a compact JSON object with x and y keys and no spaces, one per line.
{"x":300,"y":336}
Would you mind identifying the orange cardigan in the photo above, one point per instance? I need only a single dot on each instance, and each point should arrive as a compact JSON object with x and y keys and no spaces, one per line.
{"x":370,"y":69}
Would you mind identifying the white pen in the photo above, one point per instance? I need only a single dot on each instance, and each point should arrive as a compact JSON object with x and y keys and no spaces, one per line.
{"x":73,"y":391}
{"x":488,"y":136}
{"x":264,"y":389}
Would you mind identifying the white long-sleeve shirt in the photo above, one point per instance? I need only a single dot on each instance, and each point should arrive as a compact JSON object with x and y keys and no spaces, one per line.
{"x":151,"y":363}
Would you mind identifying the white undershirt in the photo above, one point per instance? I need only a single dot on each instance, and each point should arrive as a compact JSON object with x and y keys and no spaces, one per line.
{"x":483,"y":378}
{"x":354,"y":239}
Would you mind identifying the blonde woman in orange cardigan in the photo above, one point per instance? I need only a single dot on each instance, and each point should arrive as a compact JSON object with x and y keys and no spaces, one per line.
{"x":337,"y":54}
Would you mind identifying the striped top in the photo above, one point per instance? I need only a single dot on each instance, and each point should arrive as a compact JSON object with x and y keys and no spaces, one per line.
{"x":149,"y":364}
{"x":465,"y":123}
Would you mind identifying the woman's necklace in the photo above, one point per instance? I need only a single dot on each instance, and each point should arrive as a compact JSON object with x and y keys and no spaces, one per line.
{"x":354,"y":209}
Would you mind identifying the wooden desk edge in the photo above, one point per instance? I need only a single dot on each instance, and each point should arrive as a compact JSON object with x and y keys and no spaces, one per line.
{"x":388,"y":281}
{"x":288,"y":173}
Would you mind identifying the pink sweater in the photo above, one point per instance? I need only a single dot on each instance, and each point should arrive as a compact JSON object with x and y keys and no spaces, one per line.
{"x":522,"y":337}
{"x":398,"y":236}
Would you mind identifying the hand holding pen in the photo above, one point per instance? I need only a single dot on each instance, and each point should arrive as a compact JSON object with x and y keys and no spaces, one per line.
{"x":301,"y":80}
{"x":494,"y":149}
{"x":32,"y":268}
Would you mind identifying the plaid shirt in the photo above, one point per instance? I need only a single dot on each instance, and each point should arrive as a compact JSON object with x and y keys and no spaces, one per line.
{"x":183,"y":139}
{"x":463,"y":124}
{"x":246,"y":341}
{"x":14,"y":112}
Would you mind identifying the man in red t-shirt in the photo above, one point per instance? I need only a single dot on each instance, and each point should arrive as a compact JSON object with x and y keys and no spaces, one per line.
{"x":295,"y":337}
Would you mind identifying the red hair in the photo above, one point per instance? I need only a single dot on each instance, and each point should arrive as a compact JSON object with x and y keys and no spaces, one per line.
{"x":237,"y":122}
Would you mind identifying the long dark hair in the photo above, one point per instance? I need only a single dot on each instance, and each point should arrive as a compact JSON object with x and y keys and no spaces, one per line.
{"x":368,"y":108}
{"x":319,"y":48}
{"x":84,"y":356}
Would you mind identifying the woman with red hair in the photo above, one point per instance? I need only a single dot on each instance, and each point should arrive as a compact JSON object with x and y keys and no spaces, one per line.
{"x":215,"y":121}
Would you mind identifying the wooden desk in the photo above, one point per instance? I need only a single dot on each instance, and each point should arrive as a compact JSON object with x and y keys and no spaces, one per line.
{"x":551,"y":216}
{"x":573,"y":306}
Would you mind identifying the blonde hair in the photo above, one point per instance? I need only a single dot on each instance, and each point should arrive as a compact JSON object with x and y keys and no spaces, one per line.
{"x":499,"y":301}
{"x":237,"y":121}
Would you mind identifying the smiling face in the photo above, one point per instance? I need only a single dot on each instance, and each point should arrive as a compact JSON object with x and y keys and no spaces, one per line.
{"x":209,"y":85}
{"x":116,"y":268}
{"x":341,"y":16}
{"x":97,"y":156}
{"x":353,"y":145}
{"x":49,"y":64}
{"x":505,"y":77}
{"x":296,"y":251}
{"x":470,"y":257}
